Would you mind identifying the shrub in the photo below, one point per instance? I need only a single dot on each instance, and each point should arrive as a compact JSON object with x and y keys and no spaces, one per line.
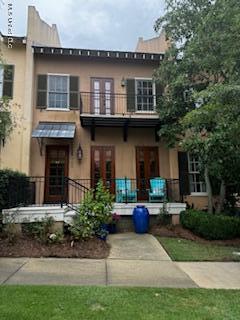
{"x":10,"y":229}
{"x":164,"y":218}
{"x":84,"y":222}
{"x":103,"y":204}
{"x":42,"y":230}
{"x":209,"y":226}
{"x":15,"y":189}
{"x":94,"y":211}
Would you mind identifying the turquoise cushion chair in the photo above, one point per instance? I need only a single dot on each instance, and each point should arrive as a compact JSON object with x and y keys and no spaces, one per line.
{"x":158,"y":190}
{"x":124,"y":191}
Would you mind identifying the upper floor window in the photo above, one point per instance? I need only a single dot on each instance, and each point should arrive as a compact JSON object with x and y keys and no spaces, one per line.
{"x":58,"y":91}
{"x":197,"y":185}
{"x":6,"y":81}
{"x":145,"y":95}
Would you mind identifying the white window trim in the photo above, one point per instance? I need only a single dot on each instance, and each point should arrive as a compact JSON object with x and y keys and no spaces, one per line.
{"x":68,"y":92}
{"x":154,"y":95}
{"x":199,"y":194}
{"x":196,"y":194}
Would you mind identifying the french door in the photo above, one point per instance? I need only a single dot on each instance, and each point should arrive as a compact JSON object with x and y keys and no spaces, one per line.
{"x":147,"y":164}
{"x":102,"y":99}
{"x":57,"y":158}
{"x":103,"y":166}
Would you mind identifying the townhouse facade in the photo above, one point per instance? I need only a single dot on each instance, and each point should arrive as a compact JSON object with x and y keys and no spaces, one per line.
{"x":93,"y":114}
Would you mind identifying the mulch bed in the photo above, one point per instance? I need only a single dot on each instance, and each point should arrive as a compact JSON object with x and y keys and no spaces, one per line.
{"x":26,"y":247}
{"x":179,"y":232}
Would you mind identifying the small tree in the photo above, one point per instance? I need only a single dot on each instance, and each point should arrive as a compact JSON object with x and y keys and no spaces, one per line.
{"x":95,"y":210}
{"x":201,"y":75}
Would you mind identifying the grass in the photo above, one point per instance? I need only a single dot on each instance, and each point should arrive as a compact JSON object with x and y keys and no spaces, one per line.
{"x":63,"y":303}
{"x":187,"y":250}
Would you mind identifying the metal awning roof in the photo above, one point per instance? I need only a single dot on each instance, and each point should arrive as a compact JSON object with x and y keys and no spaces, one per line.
{"x":55,"y":130}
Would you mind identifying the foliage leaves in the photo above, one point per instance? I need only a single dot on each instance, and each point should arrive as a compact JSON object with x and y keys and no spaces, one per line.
{"x":199,"y":108}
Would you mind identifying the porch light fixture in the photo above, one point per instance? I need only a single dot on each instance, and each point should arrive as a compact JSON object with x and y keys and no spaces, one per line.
{"x":123,"y":82}
{"x":79,"y":152}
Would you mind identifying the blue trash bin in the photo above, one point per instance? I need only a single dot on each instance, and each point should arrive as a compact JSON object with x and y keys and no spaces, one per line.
{"x":141,"y":219}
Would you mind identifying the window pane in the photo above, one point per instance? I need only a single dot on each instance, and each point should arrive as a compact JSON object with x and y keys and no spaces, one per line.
{"x":58,"y":91}
{"x":144,"y":95}
{"x":195,"y":179}
{"x":58,"y":84}
{"x":57,"y":100}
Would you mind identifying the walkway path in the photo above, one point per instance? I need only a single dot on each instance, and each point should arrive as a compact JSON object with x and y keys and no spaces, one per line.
{"x":135,"y":260}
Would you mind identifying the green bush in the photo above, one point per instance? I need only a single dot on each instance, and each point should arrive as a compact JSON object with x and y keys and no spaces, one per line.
{"x":84,"y":222}
{"x":94,"y":211}
{"x":209,"y":226}
{"x":15,"y":189}
{"x":164,"y":218}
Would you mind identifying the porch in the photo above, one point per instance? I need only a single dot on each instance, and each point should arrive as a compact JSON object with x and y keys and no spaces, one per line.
{"x":29,"y":200}
{"x":59,"y":191}
{"x":63,"y":214}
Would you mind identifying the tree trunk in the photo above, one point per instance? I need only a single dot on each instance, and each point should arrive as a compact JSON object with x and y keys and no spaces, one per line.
{"x":209,"y":191}
{"x":222,"y":197}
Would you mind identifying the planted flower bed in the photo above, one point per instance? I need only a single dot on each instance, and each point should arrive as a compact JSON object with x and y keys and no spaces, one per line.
{"x":82,"y":239}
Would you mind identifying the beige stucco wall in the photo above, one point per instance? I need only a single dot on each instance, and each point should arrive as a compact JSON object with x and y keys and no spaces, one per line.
{"x":11,"y":153}
{"x":199,"y":202}
{"x":125,"y":152}
{"x":155,"y":45}
{"x":125,"y":158}
{"x":16,"y":153}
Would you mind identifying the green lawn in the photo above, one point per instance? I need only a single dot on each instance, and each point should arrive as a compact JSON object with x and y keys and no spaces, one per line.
{"x":63,"y":303}
{"x":187,"y":250}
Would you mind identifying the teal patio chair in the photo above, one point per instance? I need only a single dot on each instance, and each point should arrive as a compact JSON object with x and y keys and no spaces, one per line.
{"x":158,"y":190}
{"x":124,"y":191}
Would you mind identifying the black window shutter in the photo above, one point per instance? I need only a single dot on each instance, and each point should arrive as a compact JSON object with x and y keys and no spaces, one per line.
{"x":42,"y":91}
{"x":131,"y":95}
{"x":74,"y":92}
{"x":8,"y":81}
{"x":183,"y":173}
{"x":159,"y":89}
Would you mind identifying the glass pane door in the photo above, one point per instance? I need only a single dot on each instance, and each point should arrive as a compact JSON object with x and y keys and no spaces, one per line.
{"x":96,"y":97}
{"x":102,"y":96}
{"x":147,"y":168}
{"x":103,"y":167}
{"x":56,"y":170}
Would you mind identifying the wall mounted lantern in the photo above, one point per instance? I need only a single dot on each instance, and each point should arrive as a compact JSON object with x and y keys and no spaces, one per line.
{"x":123,"y":82}
{"x":79,"y":152}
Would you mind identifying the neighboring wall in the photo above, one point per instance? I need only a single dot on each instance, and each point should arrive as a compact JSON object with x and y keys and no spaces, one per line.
{"x":155,"y":45}
{"x":16,"y":153}
{"x":11,"y":154}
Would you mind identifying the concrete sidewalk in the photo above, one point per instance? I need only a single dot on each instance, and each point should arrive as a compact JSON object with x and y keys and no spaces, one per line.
{"x":134,"y":260}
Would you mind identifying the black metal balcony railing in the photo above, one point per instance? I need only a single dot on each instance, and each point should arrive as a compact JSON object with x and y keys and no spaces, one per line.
{"x":56,"y":190}
{"x":116,"y":104}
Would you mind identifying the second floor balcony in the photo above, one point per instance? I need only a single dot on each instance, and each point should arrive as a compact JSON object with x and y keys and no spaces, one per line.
{"x":115,"y":109}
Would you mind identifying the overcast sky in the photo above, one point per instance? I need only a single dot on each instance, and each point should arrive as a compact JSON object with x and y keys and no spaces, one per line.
{"x":101,"y":24}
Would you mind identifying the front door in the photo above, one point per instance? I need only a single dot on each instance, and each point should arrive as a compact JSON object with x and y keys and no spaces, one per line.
{"x":102,"y":96}
{"x":103,"y":167}
{"x":56,"y":170}
{"x":147,"y":167}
